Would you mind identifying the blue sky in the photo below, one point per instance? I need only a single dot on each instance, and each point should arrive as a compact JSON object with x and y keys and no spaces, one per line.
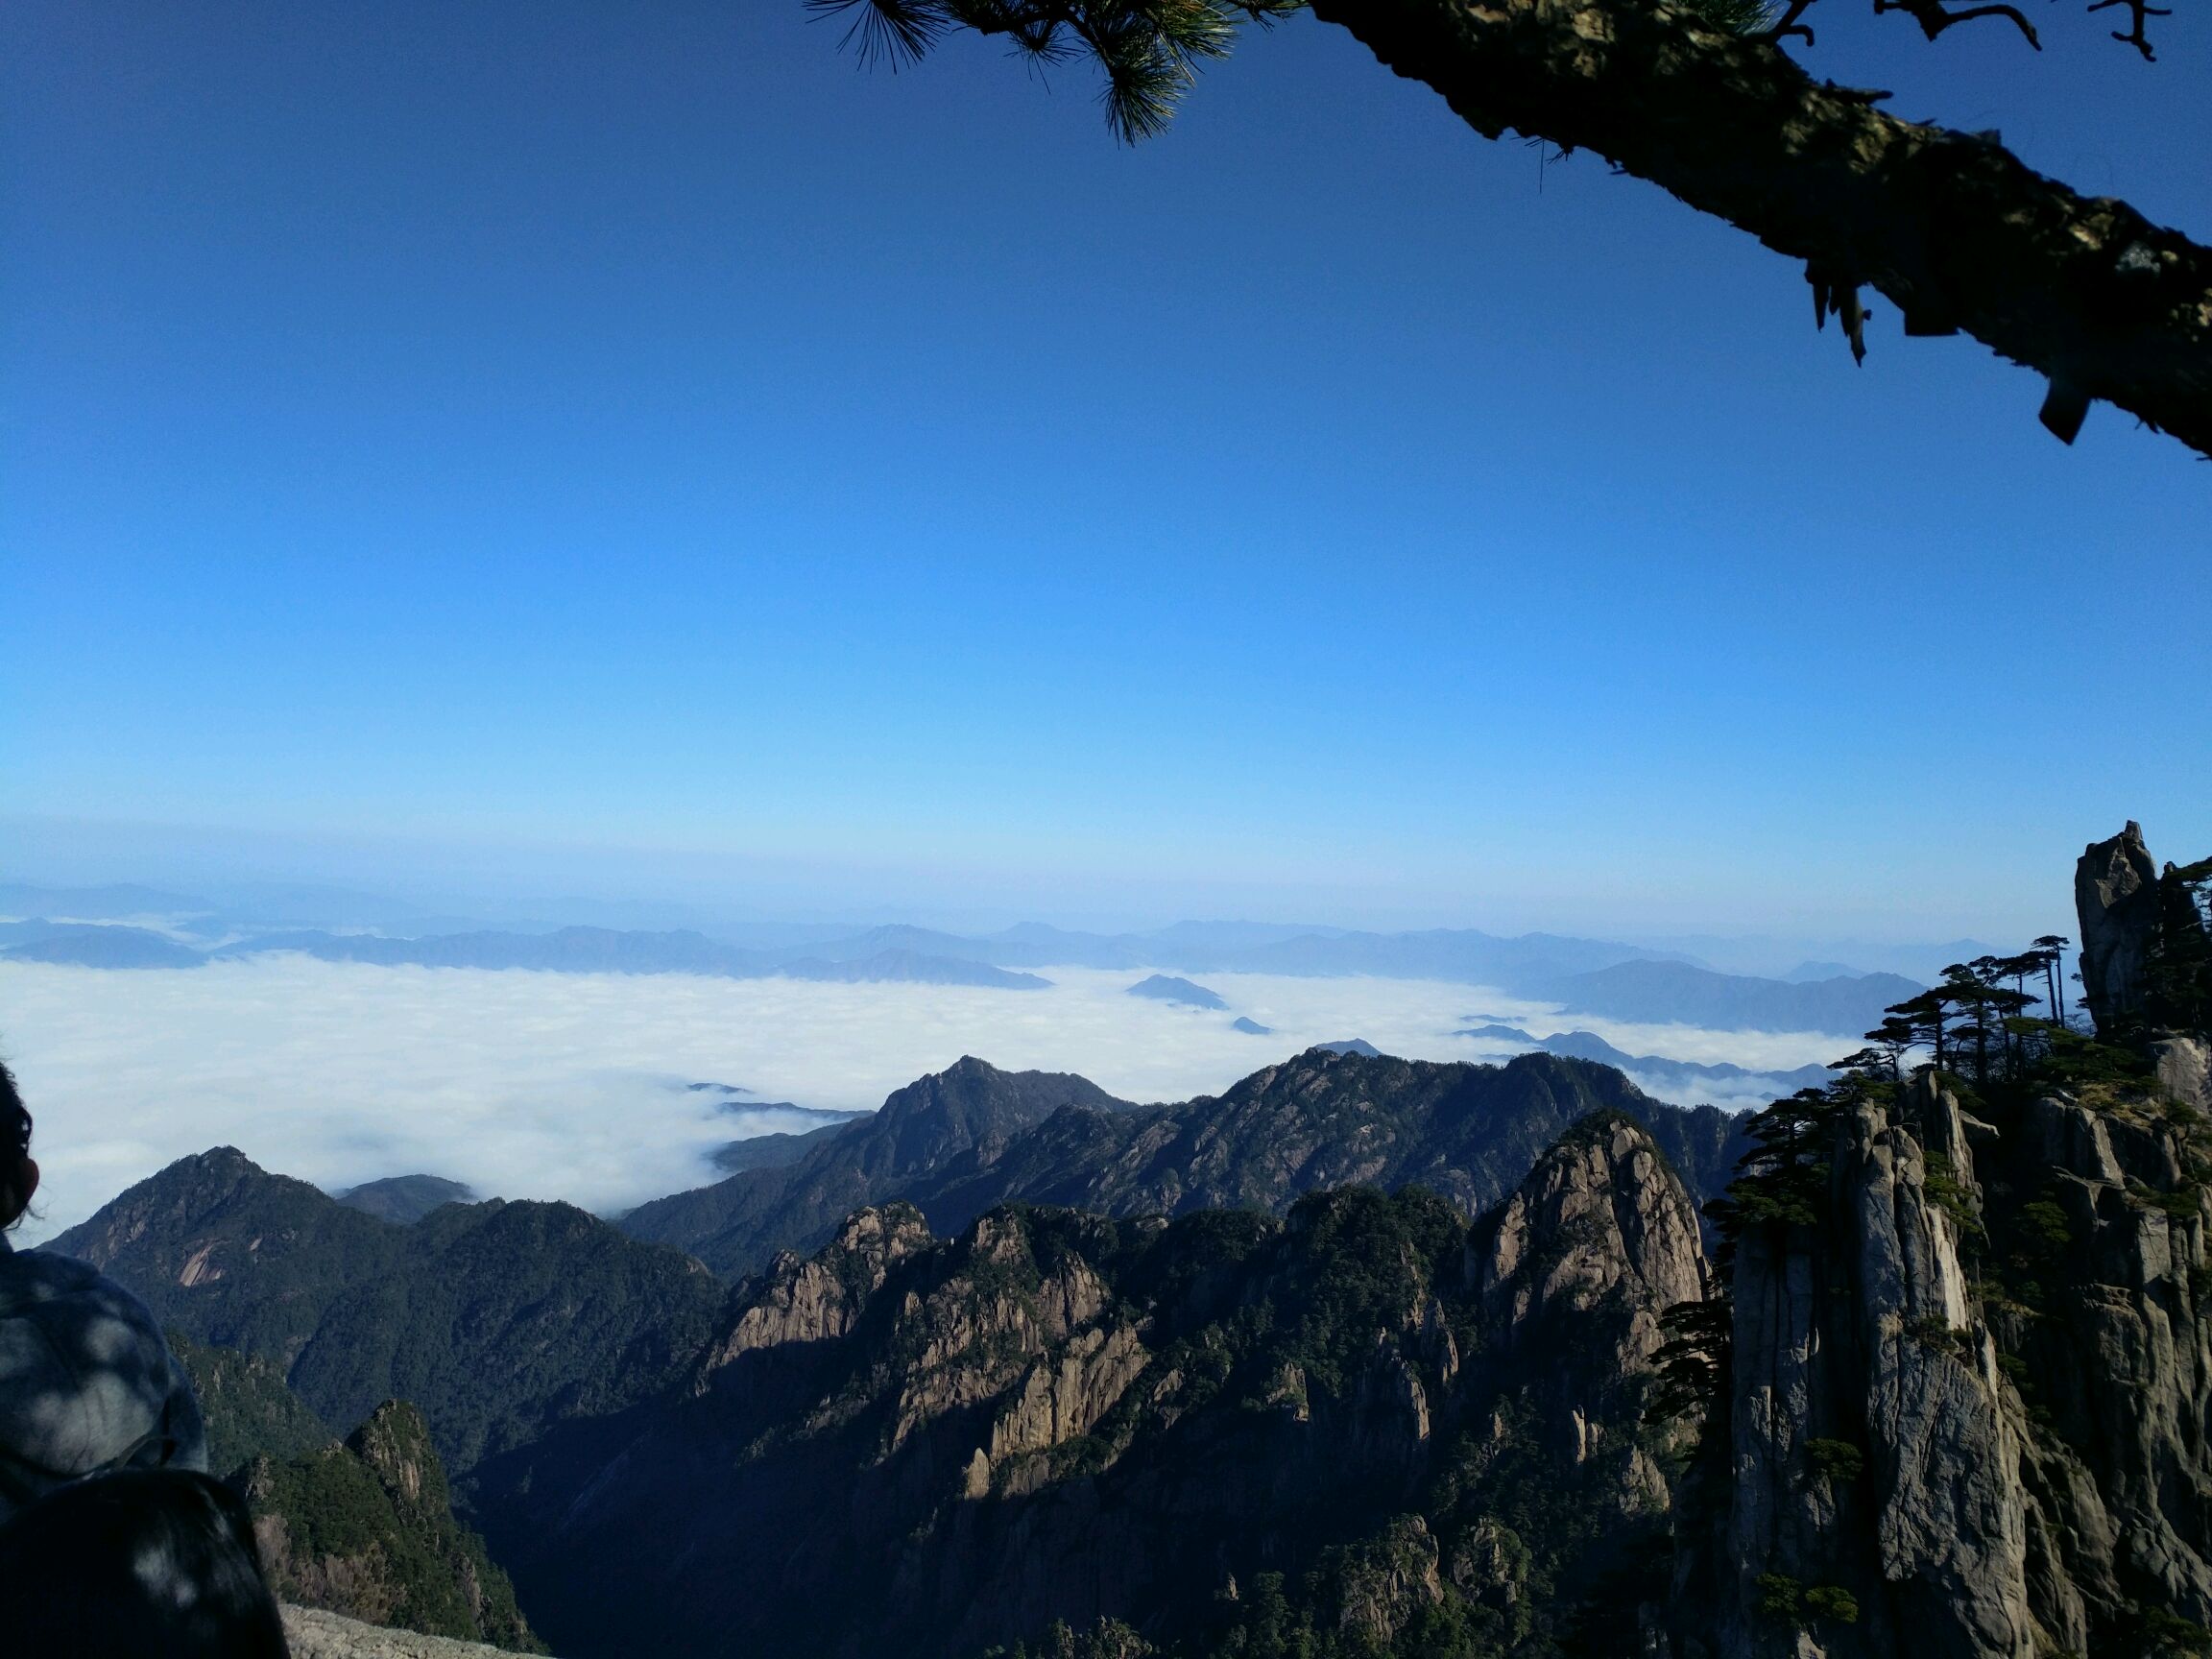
{"x":624,"y":446}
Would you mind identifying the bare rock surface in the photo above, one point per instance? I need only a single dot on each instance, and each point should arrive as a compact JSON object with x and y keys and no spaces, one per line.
{"x":1594,"y":1247}
{"x":2116,"y":897}
{"x":314,"y":1634}
{"x":2183,"y":1066}
{"x":1969,"y":1509}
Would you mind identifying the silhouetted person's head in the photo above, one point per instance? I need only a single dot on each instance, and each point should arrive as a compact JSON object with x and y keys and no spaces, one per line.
{"x":146,"y":1564}
{"x":18,"y":1169}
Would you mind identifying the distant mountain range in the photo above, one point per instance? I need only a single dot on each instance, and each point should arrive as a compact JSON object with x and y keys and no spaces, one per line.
{"x":94,"y":945}
{"x":1588,"y":976}
{"x":355,"y":1307}
{"x":1678,"y":994}
{"x":920,"y":1134}
{"x":108,"y":903}
{"x":567,"y":950}
{"x":771,"y":1151}
{"x":1670,"y":1076}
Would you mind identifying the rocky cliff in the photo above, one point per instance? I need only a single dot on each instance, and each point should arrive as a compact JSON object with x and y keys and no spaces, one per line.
{"x":1175,"y":1430}
{"x":2147,"y":955}
{"x":2116,"y":899}
{"x":314,"y":1633}
{"x":1966,"y":1405}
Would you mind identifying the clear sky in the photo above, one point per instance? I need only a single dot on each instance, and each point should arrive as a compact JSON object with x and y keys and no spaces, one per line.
{"x":534,"y":436}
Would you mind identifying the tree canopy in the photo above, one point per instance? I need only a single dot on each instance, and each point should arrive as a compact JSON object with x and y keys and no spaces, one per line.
{"x":1701,"y":98}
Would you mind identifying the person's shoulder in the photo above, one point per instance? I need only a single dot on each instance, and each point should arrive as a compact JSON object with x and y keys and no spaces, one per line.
{"x":34,"y":1273}
{"x":32,"y":1282}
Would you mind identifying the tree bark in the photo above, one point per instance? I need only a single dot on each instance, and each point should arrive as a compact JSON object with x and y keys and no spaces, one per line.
{"x":1956,"y":231}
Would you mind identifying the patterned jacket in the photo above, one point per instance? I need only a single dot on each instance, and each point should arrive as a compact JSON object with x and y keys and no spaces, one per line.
{"x":86,"y":1382}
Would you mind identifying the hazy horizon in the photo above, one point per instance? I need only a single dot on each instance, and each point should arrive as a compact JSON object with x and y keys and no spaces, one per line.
{"x":391,"y":883}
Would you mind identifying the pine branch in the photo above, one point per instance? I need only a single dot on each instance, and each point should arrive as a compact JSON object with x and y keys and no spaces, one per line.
{"x":1954,"y":229}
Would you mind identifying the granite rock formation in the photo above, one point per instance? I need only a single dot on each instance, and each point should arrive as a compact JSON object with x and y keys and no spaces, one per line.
{"x":1117,"y":1424}
{"x":2147,"y":959}
{"x":2116,"y":899}
{"x":1968,"y":1390}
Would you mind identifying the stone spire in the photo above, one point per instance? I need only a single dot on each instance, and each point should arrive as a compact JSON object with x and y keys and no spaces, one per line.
{"x":2116,"y":895}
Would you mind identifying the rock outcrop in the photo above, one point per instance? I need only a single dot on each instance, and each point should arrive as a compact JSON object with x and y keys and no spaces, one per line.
{"x":1969,"y":1394}
{"x":1871,"y":1462}
{"x":2114,"y":1367}
{"x":312,"y":1633}
{"x":1578,"y":1267}
{"x":2183,"y":1069}
{"x":799,"y":1300}
{"x":2116,"y":899}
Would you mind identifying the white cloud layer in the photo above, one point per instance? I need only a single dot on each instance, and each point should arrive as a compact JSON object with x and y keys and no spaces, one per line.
{"x":572,"y":1086}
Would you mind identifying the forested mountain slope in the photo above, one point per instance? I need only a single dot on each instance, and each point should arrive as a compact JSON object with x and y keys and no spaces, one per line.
{"x":972,"y":1107}
{"x":496,"y":1319}
{"x":366,"y":1529}
{"x":362,"y":1525}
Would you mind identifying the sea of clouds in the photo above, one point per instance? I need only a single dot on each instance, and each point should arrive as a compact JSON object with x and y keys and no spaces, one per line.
{"x":531,"y":1085}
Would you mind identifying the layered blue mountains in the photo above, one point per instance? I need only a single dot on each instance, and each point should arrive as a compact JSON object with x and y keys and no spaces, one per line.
{"x":145,"y":929}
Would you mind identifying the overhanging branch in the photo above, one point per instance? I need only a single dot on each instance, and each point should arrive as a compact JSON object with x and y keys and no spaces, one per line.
{"x":2139,"y":10}
{"x":1954,"y":229}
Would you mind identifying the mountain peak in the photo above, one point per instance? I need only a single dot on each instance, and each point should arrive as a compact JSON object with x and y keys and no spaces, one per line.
{"x":405,"y":1198}
{"x":1168,"y":988}
{"x":970,"y":1103}
{"x":1597,"y":1243}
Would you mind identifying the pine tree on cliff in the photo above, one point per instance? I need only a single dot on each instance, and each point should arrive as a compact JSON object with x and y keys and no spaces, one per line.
{"x":2051,"y":952}
{"x":1700,"y":98}
{"x":1920,"y":1022}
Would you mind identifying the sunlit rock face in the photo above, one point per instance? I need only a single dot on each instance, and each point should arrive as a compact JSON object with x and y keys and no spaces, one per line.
{"x":950,"y":1443}
{"x":1963,"y":1503}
